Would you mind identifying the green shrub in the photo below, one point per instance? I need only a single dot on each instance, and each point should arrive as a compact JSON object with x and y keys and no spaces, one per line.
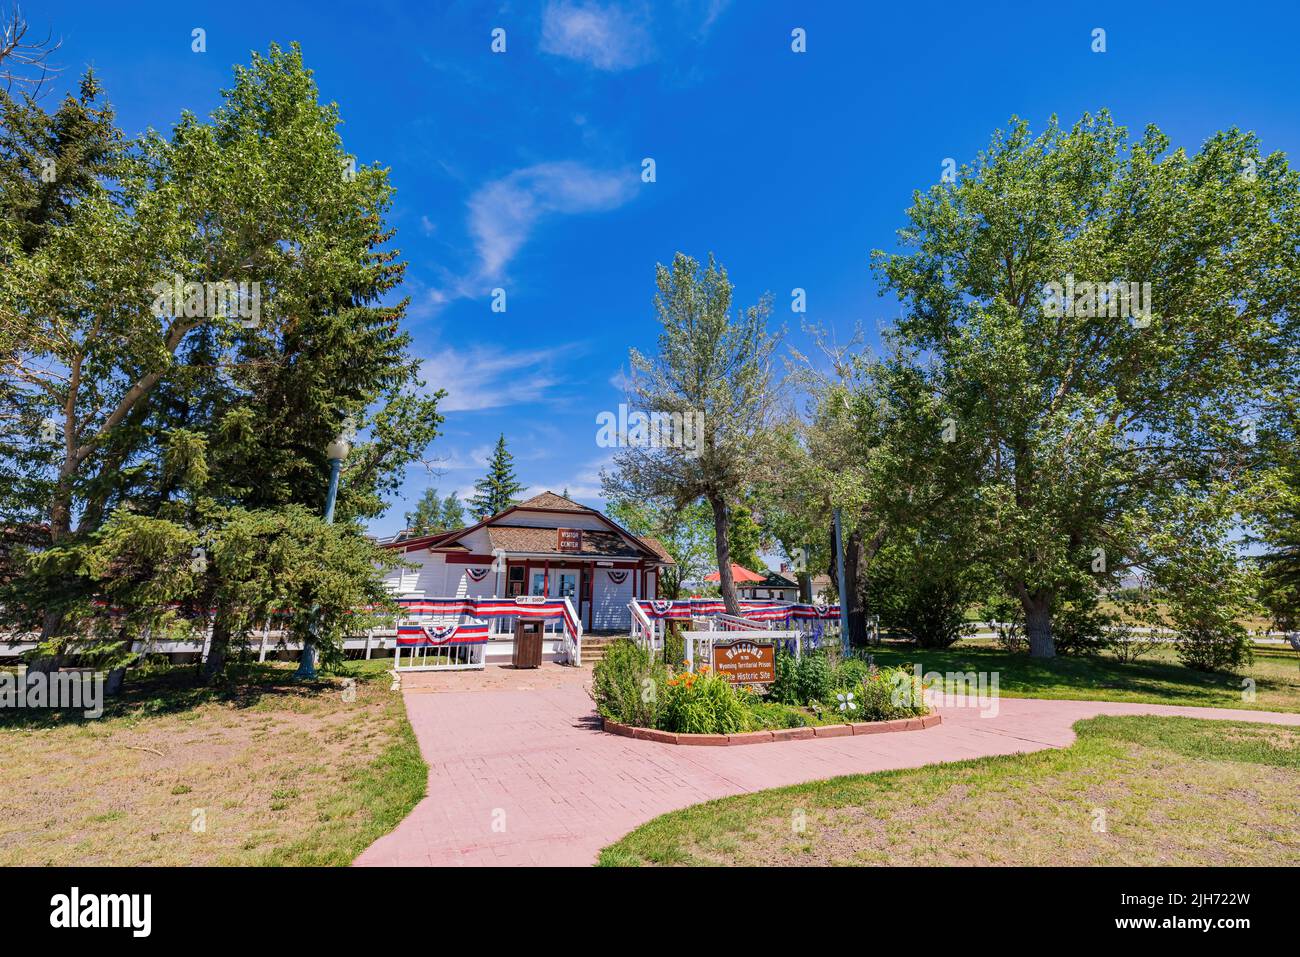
{"x":627,"y":685}
{"x":674,"y":647}
{"x":785,"y":687}
{"x":1214,"y":646}
{"x":888,"y":694}
{"x":851,"y":672}
{"x":773,"y":714}
{"x":702,"y":703}
{"x":815,"y":678}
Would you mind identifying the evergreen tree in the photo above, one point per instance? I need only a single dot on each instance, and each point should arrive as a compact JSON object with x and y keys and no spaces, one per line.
{"x":433,"y":514}
{"x":423,"y":519}
{"x":452,"y":514}
{"x":497,"y":490}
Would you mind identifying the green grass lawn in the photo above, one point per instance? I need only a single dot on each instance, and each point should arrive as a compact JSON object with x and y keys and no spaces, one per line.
{"x":1157,"y":677}
{"x":275,"y":771}
{"x":1129,"y":791}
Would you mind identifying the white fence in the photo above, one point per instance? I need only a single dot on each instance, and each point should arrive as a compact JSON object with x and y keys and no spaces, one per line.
{"x":450,"y":657}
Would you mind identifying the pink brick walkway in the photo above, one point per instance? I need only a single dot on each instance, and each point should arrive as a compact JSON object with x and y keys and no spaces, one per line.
{"x":520,"y":774}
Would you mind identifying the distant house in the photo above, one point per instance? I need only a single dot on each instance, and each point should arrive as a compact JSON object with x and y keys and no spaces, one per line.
{"x":773,"y":585}
{"x":752,"y":586}
{"x":547,"y":545}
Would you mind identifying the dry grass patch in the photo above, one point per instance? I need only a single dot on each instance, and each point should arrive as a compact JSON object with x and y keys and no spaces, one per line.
{"x":262,"y":771}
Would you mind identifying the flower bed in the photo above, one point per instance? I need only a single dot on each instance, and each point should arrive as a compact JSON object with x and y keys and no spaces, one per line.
{"x":816,"y":696}
{"x":780,"y":734}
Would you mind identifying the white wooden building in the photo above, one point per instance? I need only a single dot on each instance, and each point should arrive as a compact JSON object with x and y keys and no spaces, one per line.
{"x":547,"y":545}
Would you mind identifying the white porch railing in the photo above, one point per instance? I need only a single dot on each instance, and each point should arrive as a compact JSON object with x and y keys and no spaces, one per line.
{"x":644,"y":631}
{"x":440,"y":657}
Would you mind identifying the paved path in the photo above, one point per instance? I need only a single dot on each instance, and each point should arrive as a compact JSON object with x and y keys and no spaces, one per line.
{"x":519,"y":772}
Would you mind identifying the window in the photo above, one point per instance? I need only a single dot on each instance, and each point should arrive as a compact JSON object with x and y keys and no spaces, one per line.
{"x":539,"y":583}
{"x":568,"y":584}
{"x":515,"y":581}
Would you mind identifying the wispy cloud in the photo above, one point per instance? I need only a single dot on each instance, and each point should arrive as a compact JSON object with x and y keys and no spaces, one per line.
{"x":486,"y":377}
{"x":611,"y":37}
{"x":503,"y":213}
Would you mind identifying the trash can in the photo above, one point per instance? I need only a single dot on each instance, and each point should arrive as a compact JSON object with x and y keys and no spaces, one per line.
{"x":528,"y":645}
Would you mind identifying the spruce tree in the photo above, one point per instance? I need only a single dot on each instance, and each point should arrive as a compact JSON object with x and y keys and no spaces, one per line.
{"x":497,"y":490}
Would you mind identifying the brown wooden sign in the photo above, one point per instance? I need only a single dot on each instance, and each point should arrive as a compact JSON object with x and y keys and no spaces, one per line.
{"x":570,"y":539}
{"x":745,"y":662}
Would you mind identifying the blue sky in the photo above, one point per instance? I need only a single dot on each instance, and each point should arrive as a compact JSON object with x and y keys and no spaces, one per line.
{"x":521,"y":170}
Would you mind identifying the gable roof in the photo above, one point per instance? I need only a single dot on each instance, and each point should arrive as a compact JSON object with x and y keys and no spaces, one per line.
{"x":618,"y":542}
{"x":552,"y":502}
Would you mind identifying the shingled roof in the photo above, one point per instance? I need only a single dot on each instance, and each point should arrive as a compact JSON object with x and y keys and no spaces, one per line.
{"x":550,"y":500}
{"x":544,"y":541}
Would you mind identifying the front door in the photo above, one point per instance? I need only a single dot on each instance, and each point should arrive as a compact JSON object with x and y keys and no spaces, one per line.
{"x":584,"y":595}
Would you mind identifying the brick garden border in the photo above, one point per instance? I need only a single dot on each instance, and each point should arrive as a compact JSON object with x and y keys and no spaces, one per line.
{"x":768,"y":737}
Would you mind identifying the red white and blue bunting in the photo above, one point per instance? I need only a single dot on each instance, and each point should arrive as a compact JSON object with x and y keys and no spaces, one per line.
{"x":427,"y":633}
{"x":445,"y":608}
{"x":684,"y":609}
{"x":477,"y":574}
{"x":618,"y":577}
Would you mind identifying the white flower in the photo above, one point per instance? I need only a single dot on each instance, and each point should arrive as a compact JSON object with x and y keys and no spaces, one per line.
{"x":846,"y":701}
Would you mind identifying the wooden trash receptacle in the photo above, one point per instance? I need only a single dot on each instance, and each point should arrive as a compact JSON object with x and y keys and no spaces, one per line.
{"x":528,"y":645}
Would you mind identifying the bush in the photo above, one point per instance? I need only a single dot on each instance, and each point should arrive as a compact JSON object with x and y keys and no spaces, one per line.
{"x":1214,"y":646}
{"x":1128,"y":644}
{"x":851,"y":672}
{"x":627,"y":685}
{"x":702,"y":703}
{"x":1079,"y":626}
{"x":785,"y":687}
{"x":889,"y":694}
{"x":1007,"y":619}
{"x":814,"y":679}
{"x":920,"y":586}
{"x":674,"y":646}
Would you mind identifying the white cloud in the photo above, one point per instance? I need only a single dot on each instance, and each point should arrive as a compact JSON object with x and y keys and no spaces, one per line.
{"x":609,"y":37}
{"x":484,"y":377}
{"x":503,"y":213}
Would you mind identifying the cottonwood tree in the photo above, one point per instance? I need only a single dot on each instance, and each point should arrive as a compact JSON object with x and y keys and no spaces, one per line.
{"x":686,"y":534}
{"x":713,"y":370}
{"x":855,"y":451}
{"x":1094,"y":422}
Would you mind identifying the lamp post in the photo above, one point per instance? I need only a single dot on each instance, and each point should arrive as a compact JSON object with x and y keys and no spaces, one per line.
{"x":336,"y":452}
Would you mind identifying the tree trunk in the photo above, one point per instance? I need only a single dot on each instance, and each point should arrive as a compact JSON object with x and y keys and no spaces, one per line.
{"x":805,"y":587}
{"x":853,"y":589}
{"x":1038,"y":623}
{"x":725,"y":582}
{"x":215,"y":663}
